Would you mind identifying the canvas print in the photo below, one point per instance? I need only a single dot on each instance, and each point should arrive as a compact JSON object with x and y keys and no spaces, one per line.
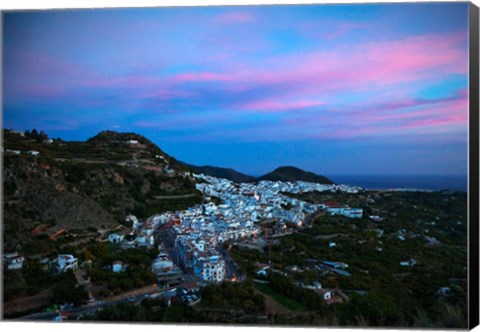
{"x":302,"y":165}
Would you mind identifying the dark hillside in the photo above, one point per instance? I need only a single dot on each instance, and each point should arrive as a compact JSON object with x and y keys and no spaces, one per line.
{"x":224,"y":173}
{"x":290,"y":173}
{"x":88,"y":185}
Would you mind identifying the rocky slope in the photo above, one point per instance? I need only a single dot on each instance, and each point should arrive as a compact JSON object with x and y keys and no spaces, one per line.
{"x":88,"y":185}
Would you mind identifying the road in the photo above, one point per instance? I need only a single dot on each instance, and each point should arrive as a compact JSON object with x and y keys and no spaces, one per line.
{"x":169,"y":248}
{"x":231,"y":268}
{"x":98,"y":305}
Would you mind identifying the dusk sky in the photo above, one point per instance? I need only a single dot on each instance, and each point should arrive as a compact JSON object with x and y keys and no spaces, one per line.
{"x":334,"y":89}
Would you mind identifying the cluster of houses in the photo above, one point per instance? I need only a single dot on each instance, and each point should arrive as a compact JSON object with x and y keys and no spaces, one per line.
{"x":33,"y":153}
{"x":196,"y":233}
{"x":194,"y":245}
{"x":141,"y":235}
{"x":253,"y":202}
{"x":334,"y":208}
{"x":61,"y":264}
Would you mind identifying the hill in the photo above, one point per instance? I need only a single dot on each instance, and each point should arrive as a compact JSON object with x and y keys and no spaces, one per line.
{"x":290,"y":173}
{"x":86,"y":187}
{"x":285,"y":173}
{"x":224,"y":173}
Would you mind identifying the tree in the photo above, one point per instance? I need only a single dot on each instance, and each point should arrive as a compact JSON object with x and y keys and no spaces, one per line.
{"x":175,"y":313}
{"x":34,"y":134}
{"x":67,"y":291}
{"x":42,"y":136}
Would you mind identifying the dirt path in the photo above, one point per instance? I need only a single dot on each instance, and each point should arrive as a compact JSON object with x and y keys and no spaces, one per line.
{"x":175,"y":196}
{"x":326,"y":236}
{"x":28,"y":303}
{"x":136,"y":292}
{"x":273,"y":307}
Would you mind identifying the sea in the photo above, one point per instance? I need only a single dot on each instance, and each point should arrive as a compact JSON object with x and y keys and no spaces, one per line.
{"x":424,"y":182}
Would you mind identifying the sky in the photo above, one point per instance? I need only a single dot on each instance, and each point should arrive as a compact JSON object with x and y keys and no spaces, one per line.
{"x":333,"y":89}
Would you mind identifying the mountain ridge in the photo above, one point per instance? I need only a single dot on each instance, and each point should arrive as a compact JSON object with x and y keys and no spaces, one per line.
{"x":292,"y":173}
{"x":282,"y":173}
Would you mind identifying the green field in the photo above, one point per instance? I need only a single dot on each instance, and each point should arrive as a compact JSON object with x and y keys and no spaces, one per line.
{"x":287,"y":302}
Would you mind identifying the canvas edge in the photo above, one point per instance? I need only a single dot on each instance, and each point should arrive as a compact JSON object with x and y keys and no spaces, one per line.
{"x":473,"y":190}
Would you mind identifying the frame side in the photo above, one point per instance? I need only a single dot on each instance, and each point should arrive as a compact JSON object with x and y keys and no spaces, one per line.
{"x":473,"y":190}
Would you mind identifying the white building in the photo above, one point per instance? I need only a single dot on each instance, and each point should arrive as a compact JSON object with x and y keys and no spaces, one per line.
{"x":353,"y":213}
{"x":118,"y":266}
{"x":210,"y":268}
{"x":64,"y":263}
{"x":115,"y":238}
{"x":14,"y":261}
{"x":34,"y":153}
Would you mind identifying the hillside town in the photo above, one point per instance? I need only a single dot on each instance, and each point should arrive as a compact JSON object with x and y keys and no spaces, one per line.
{"x":191,"y":239}
{"x":200,"y":246}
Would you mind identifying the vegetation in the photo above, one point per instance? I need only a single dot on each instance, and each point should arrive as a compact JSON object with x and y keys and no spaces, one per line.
{"x":137,"y":264}
{"x":33,"y":278}
{"x":233,"y":296}
{"x":89,"y":187}
{"x":219,"y":304}
{"x":66,"y":290}
{"x":285,"y":301}
{"x":149,"y":310}
{"x":381,"y":292}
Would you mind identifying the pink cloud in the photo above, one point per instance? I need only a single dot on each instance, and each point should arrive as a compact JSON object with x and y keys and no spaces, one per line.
{"x":436,"y":116}
{"x":395,"y":68}
{"x":201,"y":77}
{"x":366,"y":66}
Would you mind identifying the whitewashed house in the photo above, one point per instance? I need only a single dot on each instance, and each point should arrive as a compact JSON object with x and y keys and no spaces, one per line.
{"x":118,"y":266}
{"x":34,"y":153}
{"x":115,"y":238}
{"x":209,"y":268}
{"x":14,"y":261}
{"x":353,"y":213}
{"x":64,"y":263}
